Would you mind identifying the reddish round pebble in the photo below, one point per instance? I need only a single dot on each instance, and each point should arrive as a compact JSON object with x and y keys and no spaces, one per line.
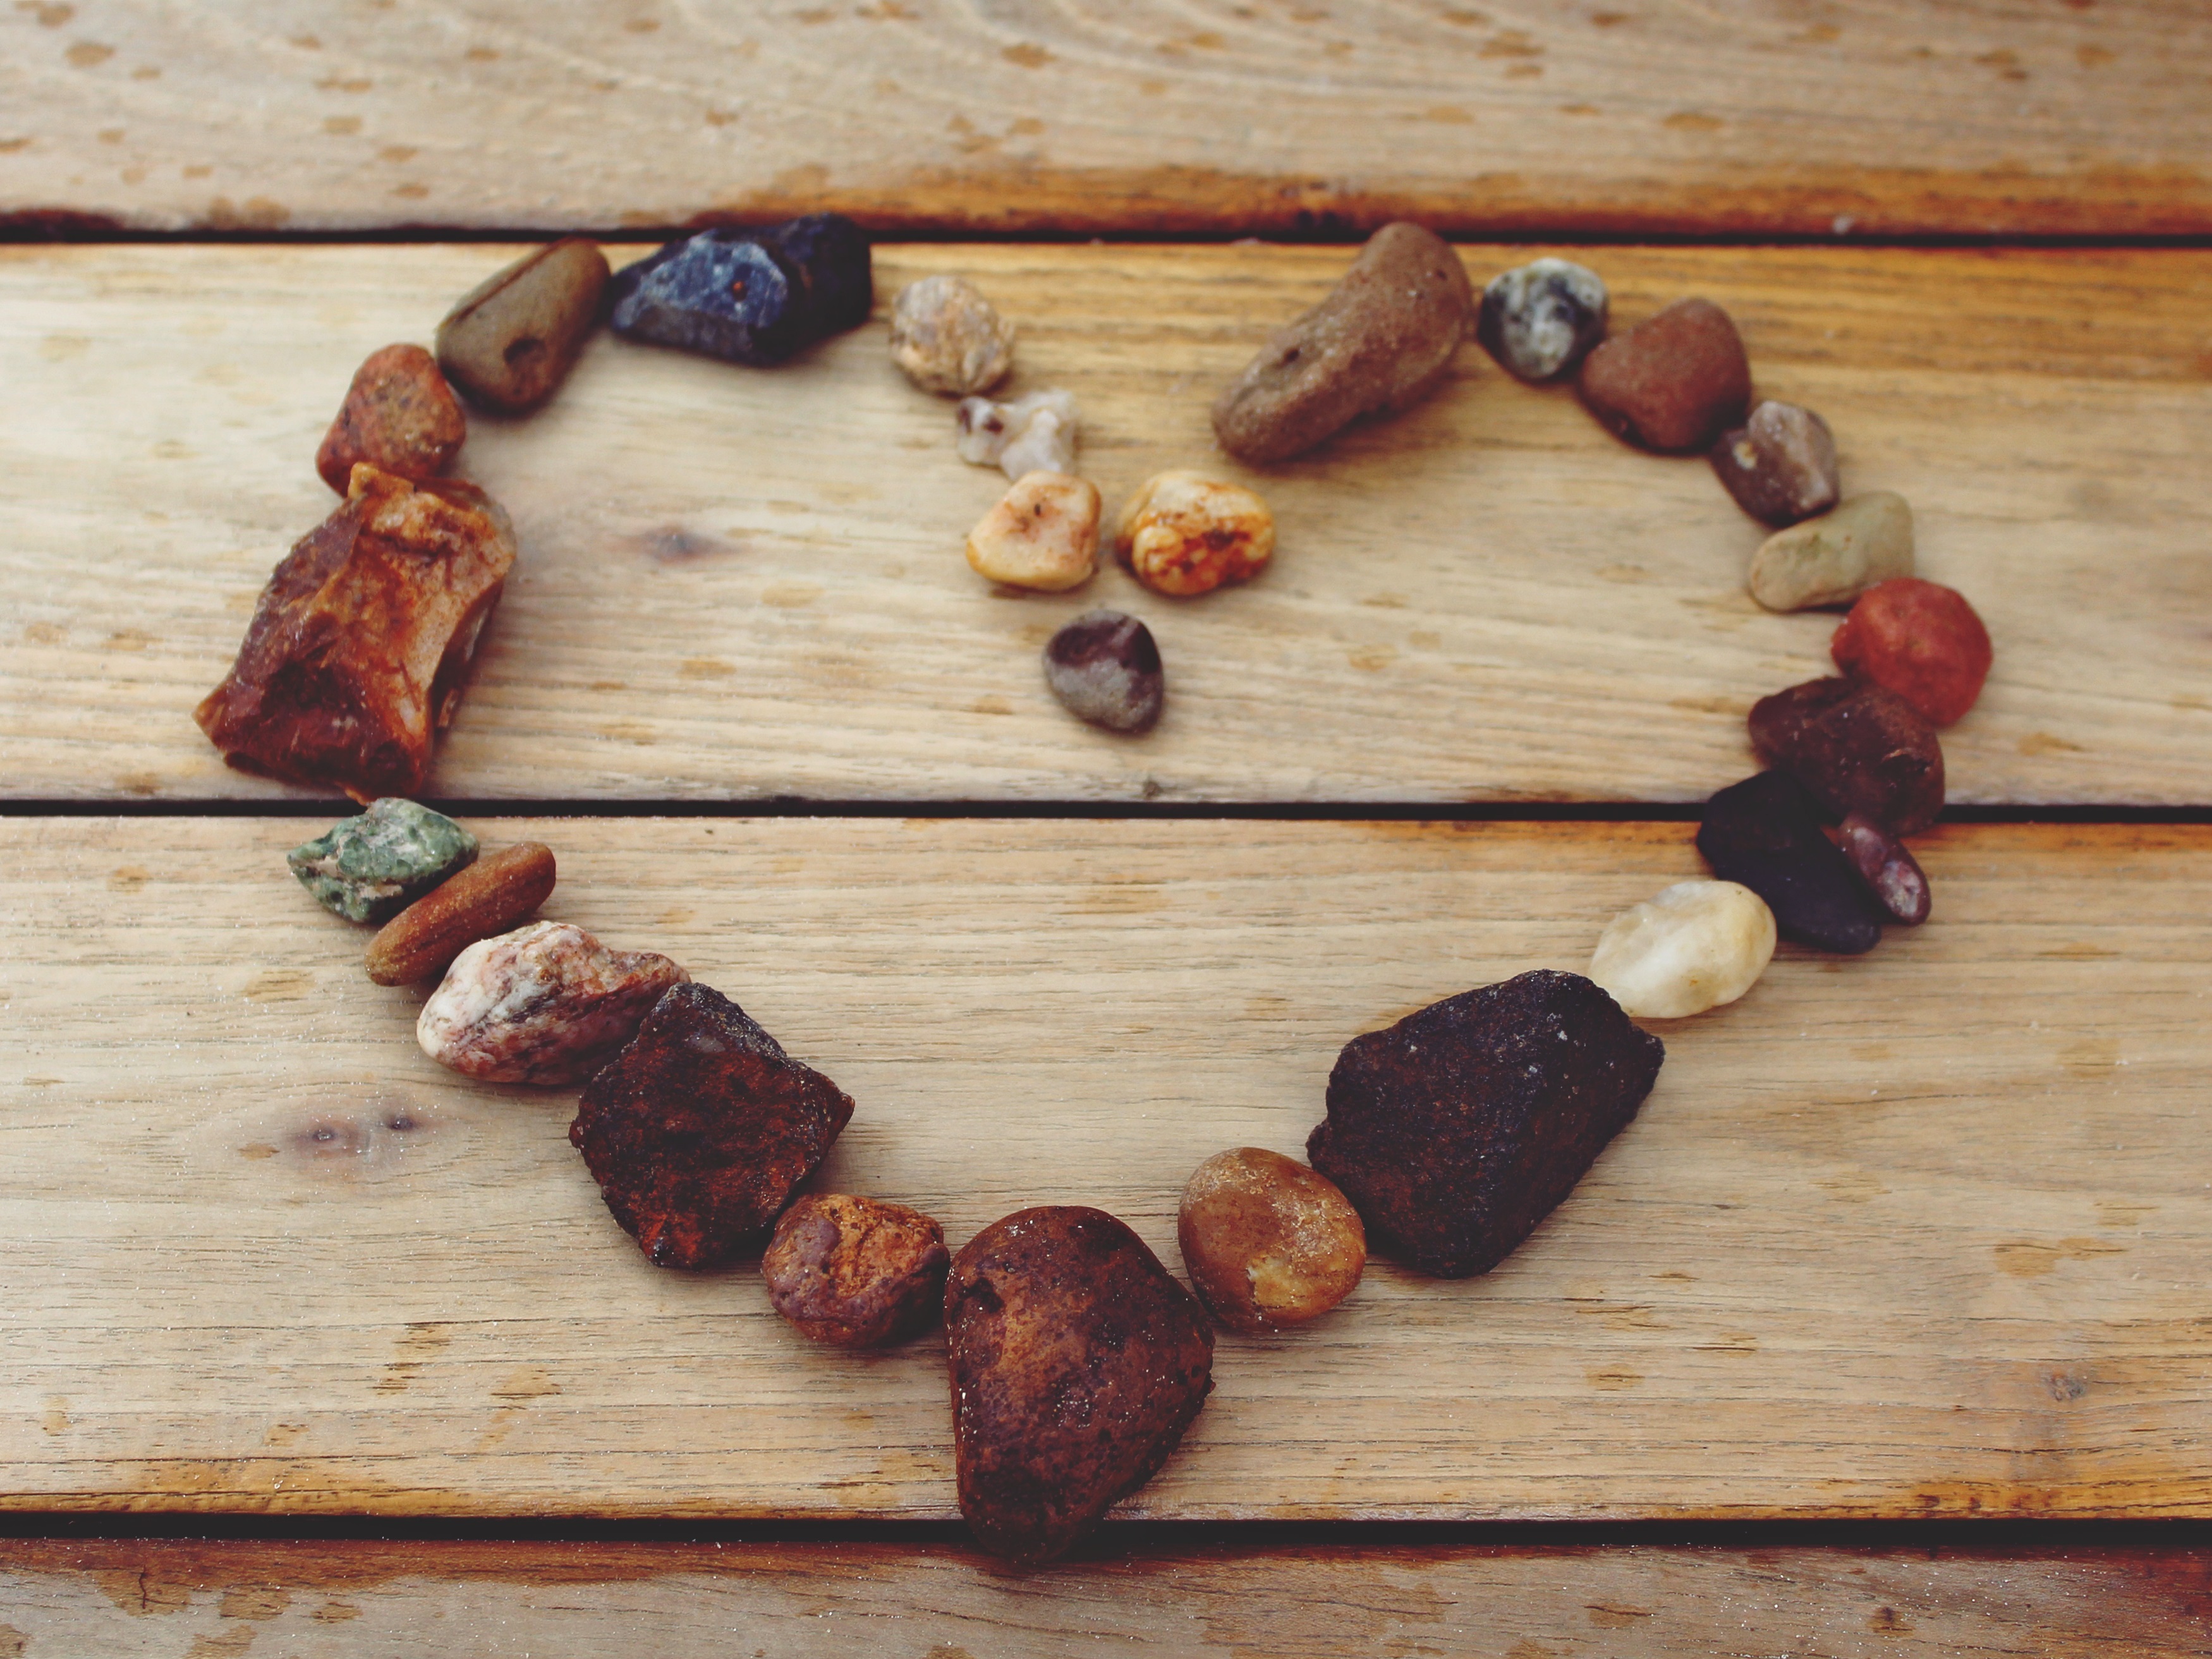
{"x":1919,"y":640}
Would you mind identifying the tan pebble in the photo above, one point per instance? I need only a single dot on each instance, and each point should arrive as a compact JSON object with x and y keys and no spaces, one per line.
{"x":1184,"y":534}
{"x":1694,"y":947}
{"x":491,"y":896}
{"x":546,"y":1004}
{"x":948,"y":337}
{"x":1268,"y":1242}
{"x":1833,"y":559}
{"x":510,"y":341}
{"x":1043,"y":535}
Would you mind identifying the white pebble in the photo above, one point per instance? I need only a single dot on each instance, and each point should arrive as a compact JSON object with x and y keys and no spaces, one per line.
{"x":1696,"y":945}
{"x":1033,"y":433}
{"x":1044,"y":535}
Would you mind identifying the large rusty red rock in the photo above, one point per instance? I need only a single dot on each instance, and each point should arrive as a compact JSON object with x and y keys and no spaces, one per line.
{"x":399,"y":416}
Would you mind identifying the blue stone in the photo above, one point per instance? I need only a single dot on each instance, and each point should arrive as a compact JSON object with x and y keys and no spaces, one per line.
{"x":749,"y":296}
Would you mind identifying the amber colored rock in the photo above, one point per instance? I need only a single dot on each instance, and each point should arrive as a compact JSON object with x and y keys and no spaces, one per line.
{"x":1920,"y":639}
{"x":1780,"y":465}
{"x":546,"y":1004}
{"x":361,"y":644}
{"x":1672,"y":381}
{"x":1891,"y":874}
{"x":399,"y":416}
{"x":1042,"y":534}
{"x":491,"y":897}
{"x":1856,"y":748}
{"x":1458,"y":1129}
{"x":1184,"y":534}
{"x":856,"y":1273}
{"x":702,"y":1131}
{"x":1076,"y":1361}
{"x":1268,"y":1242}
{"x":510,"y":341}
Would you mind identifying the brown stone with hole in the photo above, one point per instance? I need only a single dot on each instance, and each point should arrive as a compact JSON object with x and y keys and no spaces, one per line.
{"x":512,"y":339}
{"x":491,"y":897}
{"x":856,"y":1273}
{"x":399,"y":416}
{"x":1672,"y":381}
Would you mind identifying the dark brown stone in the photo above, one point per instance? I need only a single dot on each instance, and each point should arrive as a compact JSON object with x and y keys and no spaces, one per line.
{"x":1858,"y":748}
{"x":1891,"y":874}
{"x":1765,"y":832}
{"x":1780,"y":465}
{"x":1672,"y":381}
{"x":856,"y":1273}
{"x":399,"y":416}
{"x":511,"y":340}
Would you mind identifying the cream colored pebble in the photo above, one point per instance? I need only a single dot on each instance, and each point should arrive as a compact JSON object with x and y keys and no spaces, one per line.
{"x":1834,"y":558}
{"x":1183,"y":533}
{"x":1694,"y":947}
{"x":1043,"y":534}
{"x":948,"y":337}
{"x":1037,"y":432}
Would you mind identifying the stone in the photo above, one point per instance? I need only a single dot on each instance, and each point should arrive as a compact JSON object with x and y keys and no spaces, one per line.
{"x":1765,"y":833}
{"x":1921,"y":640}
{"x":1104,"y":667}
{"x":399,"y":416}
{"x":1857,"y":749}
{"x":1694,"y":945}
{"x":547,"y":1004}
{"x":948,"y":338}
{"x":1834,"y":558}
{"x":361,"y":644}
{"x":491,"y":897}
{"x":702,"y":1131}
{"x":1672,"y":382}
{"x":372,"y":866}
{"x":1891,"y":874}
{"x":513,"y":338}
{"x":1458,"y":1129}
{"x":1267,"y":1241}
{"x":1037,"y":432}
{"x":1780,"y":465}
{"x":1379,"y":343}
{"x":1184,"y":534}
{"x":1043,"y":534}
{"x":1541,"y":319}
{"x":749,"y":296}
{"x":856,"y":1273}
{"x":1076,"y":1363}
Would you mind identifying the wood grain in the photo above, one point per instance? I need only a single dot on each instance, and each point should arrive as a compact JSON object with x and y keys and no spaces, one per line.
{"x":1919,"y":1234}
{"x":740,"y":584}
{"x":1748,"y":115}
{"x":498,"y":1599}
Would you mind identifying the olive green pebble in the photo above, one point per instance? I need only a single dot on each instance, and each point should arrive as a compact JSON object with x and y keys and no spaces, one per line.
{"x":372,"y":866}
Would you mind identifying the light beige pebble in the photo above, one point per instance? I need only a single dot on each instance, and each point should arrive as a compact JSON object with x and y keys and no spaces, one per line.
{"x":546,"y":1004}
{"x":948,"y":338}
{"x":1184,"y":534}
{"x":1043,"y":534}
{"x":1694,"y":947}
{"x":1037,"y":432}
{"x":1834,"y":558}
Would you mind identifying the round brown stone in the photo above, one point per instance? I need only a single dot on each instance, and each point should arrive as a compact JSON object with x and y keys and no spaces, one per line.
{"x":1268,"y":1242}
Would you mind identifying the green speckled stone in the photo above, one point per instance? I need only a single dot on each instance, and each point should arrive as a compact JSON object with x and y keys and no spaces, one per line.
{"x":371,"y":868}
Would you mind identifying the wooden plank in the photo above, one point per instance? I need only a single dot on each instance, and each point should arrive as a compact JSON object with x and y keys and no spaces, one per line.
{"x":1919,"y":1234}
{"x":496,"y":1599}
{"x":1755,"y":115}
{"x":741,"y":585}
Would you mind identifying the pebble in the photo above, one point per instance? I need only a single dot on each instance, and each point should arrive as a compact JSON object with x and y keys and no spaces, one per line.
{"x":1076,"y":1363}
{"x":1856,"y":747}
{"x":749,"y":296}
{"x":1920,"y":639}
{"x":1765,"y":833}
{"x":1037,"y":432}
{"x":1891,"y":874}
{"x":1833,"y":559}
{"x":360,"y":643}
{"x":513,"y":339}
{"x":1184,"y":533}
{"x":702,"y":1131}
{"x":546,"y":1004}
{"x":1780,"y":465}
{"x":1541,"y":319}
{"x":856,"y":1273}
{"x":1267,"y":1241}
{"x":491,"y":897}
{"x":1380,"y":342}
{"x":398,"y":415}
{"x":1105,"y":667}
{"x":1672,"y":382}
{"x":372,"y":866}
{"x":1043,"y":534}
{"x":1458,"y":1129}
{"x":1695,"y":945}
{"x":948,"y":338}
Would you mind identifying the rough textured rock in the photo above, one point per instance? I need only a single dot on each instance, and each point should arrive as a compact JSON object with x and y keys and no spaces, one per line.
{"x":1857,"y":749}
{"x":1184,"y":534}
{"x":513,"y":338}
{"x":1377,"y":345}
{"x":856,"y":1273}
{"x":1780,"y":465}
{"x":1043,"y":535}
{"x":749,"y":296}
{"x":702,"y":1131}
{"x":1921,"y":640}
{"x":375,"y":864}
{"x":361,"y":644}
{"x":1834,"y":558}
{"x":1891,"y":874}
{"x":1672,"y":382}
{"x":489,"y":897}
{"x":1267,"y":1241}
{"x":1037,"y":432}
{"x":1765,"y":833}
{"x":399,"y":416}
{"x":1104,"y":667}
{"x":546,"y":1004}
{"x":1458,"y":1129}
{"x":1541,"y":319}
{"x":1692,"y":946}
{"x":1076,"y":1365}
{"x":948,"y":338}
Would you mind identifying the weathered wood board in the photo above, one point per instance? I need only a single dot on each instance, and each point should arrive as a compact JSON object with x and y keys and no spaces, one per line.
{"x":744,"y":584}
{"x":1750,"y":115}
{"x":1918,"y":1234}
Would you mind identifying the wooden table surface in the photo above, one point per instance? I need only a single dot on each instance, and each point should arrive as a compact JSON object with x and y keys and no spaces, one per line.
{"x":1884,"y":1327}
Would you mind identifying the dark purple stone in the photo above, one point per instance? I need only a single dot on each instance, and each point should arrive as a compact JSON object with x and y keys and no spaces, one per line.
{"x":749,"y":296}
{"x":1765,"y":833}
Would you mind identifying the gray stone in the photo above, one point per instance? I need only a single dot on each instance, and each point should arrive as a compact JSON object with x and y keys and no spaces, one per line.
{"x":1832,"y":559}
{"x":1105,"y":667}
{"x":372,"y":866}
{"x":1780,"y":465}
{"x":1541,"y":319}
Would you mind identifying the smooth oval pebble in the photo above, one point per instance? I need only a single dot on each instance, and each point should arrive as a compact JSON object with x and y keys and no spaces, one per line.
{"x":546,"y":1004}
{"x":855,"y":1273}
{"x":511,"y":340}
{"x":1104,"y":667}
{"x":1891,"y":874}
{"x":1672,"y":381}
{"x":1268,"y":1242}
{"x":399,"y":416}
{"x":1858,"y":748}
{"x":1043,"y":534}
{"x":1780,"y":465}
{"x":491,"y":896}
{"x":1184,"y":533}
{"x":948,"y":338}
{"x":1834,"y":558}
{"x":1921,"y":640}
{"x":1692,"y":946}
{"x":1540,"y":320}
